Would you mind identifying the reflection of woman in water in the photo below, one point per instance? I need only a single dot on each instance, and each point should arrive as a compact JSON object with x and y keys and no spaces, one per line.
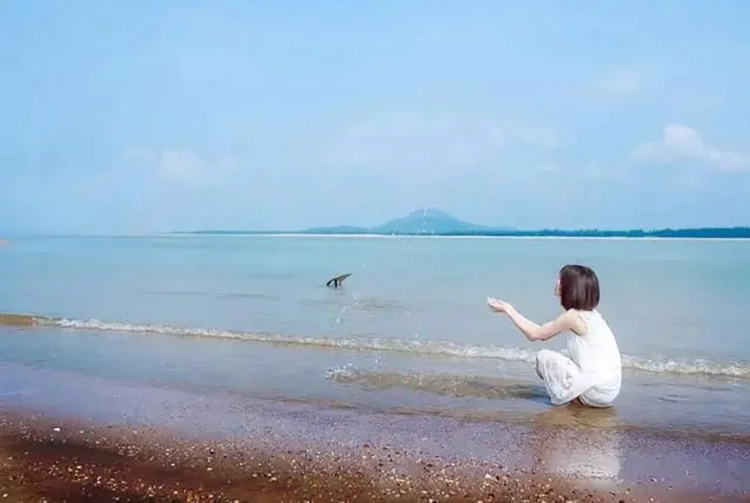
{"x":591,"y":370}
{"x":578,"y":441}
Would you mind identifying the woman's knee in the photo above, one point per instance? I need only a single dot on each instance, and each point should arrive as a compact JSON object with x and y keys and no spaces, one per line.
{"x":539,"y":362}
{"x":546,"y":353}
{"x":543,"y":355}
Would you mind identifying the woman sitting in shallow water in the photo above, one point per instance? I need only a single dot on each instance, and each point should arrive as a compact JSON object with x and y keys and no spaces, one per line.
{"x":591,"y":371}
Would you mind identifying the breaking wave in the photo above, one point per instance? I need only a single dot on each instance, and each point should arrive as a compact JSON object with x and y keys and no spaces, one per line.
{"x":659,"y":365}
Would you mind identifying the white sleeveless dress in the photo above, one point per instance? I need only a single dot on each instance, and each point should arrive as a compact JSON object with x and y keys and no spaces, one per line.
{"x":591,"y":370}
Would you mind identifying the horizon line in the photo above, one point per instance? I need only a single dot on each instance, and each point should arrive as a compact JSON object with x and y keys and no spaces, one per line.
{"x":494,"y":230}
{"x":744,"y":231}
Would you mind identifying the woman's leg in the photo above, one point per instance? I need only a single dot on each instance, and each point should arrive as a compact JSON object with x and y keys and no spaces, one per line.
{"x":603,"y":394}
{"x":560,"y":374}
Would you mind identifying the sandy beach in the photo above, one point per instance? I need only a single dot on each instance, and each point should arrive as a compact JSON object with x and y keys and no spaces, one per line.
{"x":76,"y":461}
{"x":305,"y":456}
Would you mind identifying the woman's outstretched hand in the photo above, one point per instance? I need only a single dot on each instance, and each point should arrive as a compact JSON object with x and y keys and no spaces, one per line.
{"x":498,"y":306}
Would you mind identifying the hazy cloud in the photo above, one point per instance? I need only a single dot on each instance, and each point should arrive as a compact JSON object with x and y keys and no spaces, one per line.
{"x":181,"y":166}
{"x":685,"y":143}
{"x":411,"y":141}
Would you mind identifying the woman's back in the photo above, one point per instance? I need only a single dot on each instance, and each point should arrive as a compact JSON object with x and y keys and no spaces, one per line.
{"x":596,"y":351}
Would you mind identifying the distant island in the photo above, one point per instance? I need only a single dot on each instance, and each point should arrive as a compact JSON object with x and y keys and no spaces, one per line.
{"x":434,"y":222}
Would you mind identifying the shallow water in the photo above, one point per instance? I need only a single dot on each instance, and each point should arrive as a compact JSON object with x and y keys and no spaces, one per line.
{"x":409,"y":333}
{"x":589,"y":447}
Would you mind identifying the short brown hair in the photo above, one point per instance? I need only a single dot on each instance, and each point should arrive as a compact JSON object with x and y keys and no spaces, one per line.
{"x":579,"y":288}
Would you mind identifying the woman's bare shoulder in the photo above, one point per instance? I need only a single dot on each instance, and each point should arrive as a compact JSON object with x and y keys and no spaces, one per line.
{"x":578,"y":321}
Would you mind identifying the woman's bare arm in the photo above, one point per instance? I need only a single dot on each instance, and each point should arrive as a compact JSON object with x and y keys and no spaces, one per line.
{"x":568,"y":320}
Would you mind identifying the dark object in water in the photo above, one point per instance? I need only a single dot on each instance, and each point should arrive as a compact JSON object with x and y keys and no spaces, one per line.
{"x":336,"y":282}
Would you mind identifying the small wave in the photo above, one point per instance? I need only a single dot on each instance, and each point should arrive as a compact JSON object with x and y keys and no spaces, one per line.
{"x":659,"y":365}
{"x":684,"y":366}
{"x":442,"y":384}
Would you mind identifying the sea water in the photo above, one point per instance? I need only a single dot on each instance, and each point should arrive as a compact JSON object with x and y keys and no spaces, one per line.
{"x":408,"y":333}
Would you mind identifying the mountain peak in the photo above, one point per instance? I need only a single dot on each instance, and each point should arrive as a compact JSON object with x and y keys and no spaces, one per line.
{"x":427,"y":220}
{"x":429,"y":212}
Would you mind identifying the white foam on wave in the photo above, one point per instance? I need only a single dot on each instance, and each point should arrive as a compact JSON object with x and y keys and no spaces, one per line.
{"x":659,"y":365}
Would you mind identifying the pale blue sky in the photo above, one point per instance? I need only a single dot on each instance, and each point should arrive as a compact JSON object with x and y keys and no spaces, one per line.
{"x":133,"y":116}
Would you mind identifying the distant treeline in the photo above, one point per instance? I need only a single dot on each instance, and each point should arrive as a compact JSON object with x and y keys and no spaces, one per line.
{"x":733,"y":232}
{"x":706,"y":233}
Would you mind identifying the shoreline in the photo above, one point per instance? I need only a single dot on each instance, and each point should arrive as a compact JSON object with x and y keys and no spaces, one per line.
{"x":170,"y":234}
{"x":659,"y":366}
{"x":447,"y":236}
{"x":68,"y":459}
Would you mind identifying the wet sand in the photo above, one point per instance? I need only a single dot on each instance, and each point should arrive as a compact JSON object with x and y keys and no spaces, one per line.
{"x":73,"y":437}
{"x":77,"y":461}
{"x":54,"y":459}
